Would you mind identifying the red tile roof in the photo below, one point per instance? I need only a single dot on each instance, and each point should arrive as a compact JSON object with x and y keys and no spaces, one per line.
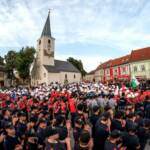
{"x":136,"y":55}
{"x":107,"y":64}
{"x":140,"y":54}
{"x":120,"y":60}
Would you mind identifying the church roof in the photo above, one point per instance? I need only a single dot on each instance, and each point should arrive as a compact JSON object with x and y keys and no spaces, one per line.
{"x":47,"y":29}
{"x":61,"y":66}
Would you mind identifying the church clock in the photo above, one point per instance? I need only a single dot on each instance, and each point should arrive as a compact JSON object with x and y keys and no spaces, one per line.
{"x":48,"y":51}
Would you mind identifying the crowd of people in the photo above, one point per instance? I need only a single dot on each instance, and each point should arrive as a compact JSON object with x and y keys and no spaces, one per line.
{"x":77,"y":116}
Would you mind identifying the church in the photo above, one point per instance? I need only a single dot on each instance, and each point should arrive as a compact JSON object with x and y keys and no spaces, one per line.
{"x":46,"y":68}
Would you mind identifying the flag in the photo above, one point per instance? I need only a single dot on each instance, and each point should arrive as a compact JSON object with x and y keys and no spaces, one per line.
{"x":134,"y":83}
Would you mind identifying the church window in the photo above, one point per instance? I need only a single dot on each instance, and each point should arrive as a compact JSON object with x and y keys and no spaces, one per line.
{"x":74,"y":76}
{"x":39,"y":42}
{"x":49,"y":44}
{"x":65,"y":76}
{"x":44,"y":75}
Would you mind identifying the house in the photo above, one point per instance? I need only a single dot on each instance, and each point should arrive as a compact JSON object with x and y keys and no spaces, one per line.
{"x":121,"y":68}
{"x":90,"y":76}
{"x":140,"y":63}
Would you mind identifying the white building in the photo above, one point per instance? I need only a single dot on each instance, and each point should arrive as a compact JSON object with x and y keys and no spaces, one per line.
{"x":45,"y":68}
{"x":90,"y":76}
{"x":140,"y":63}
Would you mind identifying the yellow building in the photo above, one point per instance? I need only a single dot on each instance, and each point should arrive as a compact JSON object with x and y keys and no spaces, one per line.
{"x":140,"y":63}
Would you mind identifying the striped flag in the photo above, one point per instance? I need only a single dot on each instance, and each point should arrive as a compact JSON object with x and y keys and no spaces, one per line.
{"x":134,"y":82}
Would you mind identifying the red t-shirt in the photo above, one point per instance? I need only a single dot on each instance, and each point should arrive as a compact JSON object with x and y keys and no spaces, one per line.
{"x":72,"y":105}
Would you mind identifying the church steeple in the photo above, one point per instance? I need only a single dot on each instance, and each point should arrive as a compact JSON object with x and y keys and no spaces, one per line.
{"x":46,"y":45}
{"x":47,"y":29}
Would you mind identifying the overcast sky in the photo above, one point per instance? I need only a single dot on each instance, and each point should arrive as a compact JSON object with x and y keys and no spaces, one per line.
{"x":91,"y":30}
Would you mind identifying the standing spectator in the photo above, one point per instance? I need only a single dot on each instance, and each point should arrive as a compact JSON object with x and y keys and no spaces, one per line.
{"x":102,"y":130}
{"x":11,"y":141}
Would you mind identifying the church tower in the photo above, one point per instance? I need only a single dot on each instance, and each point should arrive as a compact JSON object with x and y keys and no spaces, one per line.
{"x":46,"y":45}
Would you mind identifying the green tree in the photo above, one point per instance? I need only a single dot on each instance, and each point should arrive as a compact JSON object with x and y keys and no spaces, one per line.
{"x":24,"y":60}
{"x":78,"y":64}
{"x":1,"y":60}
{"x":10,"y":64}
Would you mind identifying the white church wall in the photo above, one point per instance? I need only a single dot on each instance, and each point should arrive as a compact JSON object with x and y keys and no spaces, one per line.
{"x":71,"y":77}
{"x":53,"y":77}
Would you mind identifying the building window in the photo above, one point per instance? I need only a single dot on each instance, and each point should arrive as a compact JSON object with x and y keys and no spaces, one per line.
{"x":39,"y":42}
{"x":44,"y":75}
{"x":49,"y":41}
{"x":135,"y":68}
{"x":123,"y":69}
{"x":142,"y":67}
{"x":107,"y":71}
{"x":49,"y":44}
{"x":115,"y":71}
{"x":74,"y":76}
{"x":65,"y":76}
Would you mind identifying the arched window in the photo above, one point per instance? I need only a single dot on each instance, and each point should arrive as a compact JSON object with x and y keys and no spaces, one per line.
{"x":49,"y":41}
{"x":49,"y":44}
{"x":44,"y":75}
{"x":74,"y":76}
{"x":65,"y":76}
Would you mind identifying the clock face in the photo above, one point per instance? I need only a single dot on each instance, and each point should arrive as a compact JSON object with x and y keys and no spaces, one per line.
{"x":48,"y":52}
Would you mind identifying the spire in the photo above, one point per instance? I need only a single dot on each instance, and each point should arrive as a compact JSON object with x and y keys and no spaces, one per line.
{"x":47,"y":29}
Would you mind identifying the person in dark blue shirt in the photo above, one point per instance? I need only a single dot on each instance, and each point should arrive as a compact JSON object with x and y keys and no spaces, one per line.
{"x":94,"y":117}
{"x":11,"y":141}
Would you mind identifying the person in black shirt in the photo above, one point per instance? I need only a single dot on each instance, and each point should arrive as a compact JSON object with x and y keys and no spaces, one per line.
{"x":130,"y":121}
{"x":32,"y":142}
{"x":85,"y":141}
{"x":80,"y":112}
{"x":77,"y":130}
{"x":144,"y":133}
{"x":118,"y":122}
{"x":94,"y":118}
{"x":52,"y":139}
{"x":130,"y":139}
{"x":11,"y":140}
{"x":122,"y":102}
{"x":139,"y":118}
{"x":21,"y":126}
{"x":41,"y":132}
{"x":6,"y":117}
{"x":2,"y":137}
{"x":111,"y":142}
{"x":102,"y":130}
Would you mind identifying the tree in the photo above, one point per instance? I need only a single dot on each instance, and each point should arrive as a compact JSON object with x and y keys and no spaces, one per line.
{"x":24,"y":60}
{"x":1,"y":60}
{"x":10,"y":64}
{"x":78,"y":64}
